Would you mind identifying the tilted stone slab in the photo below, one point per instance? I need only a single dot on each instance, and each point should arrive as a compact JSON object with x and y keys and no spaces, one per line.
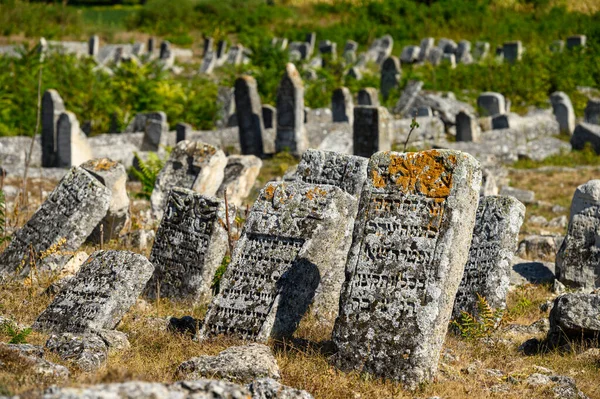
{"x":98,"y":297}
{"x":190,"y":244}
{"x":291,"y":254}
{"x":586,"y":133}
{"x":347,"y":172}
{"x":249,"y":116}
{"x":59,"y":226}
{"x":193,"y":165}
{"x":578,"y":259}
{"x":291,"y":134}
{"x":72,"y":147}
{"x":495,"y":239}
{"x":52,"y":107}
{"x":240,"y":175}
{"x":410,"y":244}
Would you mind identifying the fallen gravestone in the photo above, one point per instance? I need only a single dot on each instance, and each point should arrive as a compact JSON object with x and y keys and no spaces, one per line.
{"x":52,"y":107}
{"x":291,"y":134}
{"x":59,"y":227}
{"x":495,"y":237}
{"x":575,"y":317}
{"x":239,"y":178}
{"x":410,"y":245}
{"x":372,"y":130}
{"x":279,"y":267}
{"x":347,"y":172}
{"x":577,"y":261}
{"x":98,"y":297}
{"x":193,"y":165}
{"x":190,"y":245}
{"x":342,"y":106}
{"x":249,"y":116}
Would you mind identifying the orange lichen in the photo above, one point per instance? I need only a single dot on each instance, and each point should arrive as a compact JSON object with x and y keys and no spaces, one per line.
{"x":310,"y":194}
{"x":269,"y":192}
{"x":104,"y":164}
{"x":378,"y":181}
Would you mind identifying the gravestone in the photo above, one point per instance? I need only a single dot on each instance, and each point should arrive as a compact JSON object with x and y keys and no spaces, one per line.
{"x":72,"y":147}
{"x":328,"y":51}
{"x":448,"y":46}
{"x":578,"y":259}
{"x":372,"y":130}
{"x":190,"y":245}
{"x":563,"y":111}
{"x":226,"y":102}
{"x":491,"y":103}
{"x":59,"y":227}
{"x":192,"y":165}
{"x":347,"y":172}
{"x":423,"y":112}
{"x":208,"y":45}
{"x":342,"y":106}
{"x":410,"y":244}
{"x":209,"y":62}
{"x":182,"y":131}
{"x":576,"y":41}
{"x":592,"y":111}
{"x":99,"y":295}
{"x":408,"y":97}
{"x":311,"y":39}
{"x":279,"y":268}
{"x":557,"y":46}
{"x":52,"y":107}
{"x":354,"y":73}
{"x":585,"y":133}
{"x":512,"y":51}
{"x":165,"y":50}
{"x":235,"y":55}
{"x":239,"y":178}
{"x":291,"y":134}
{"x":93,"y":46}
{"x":500,"y":121}
{"x":150,"y":45}
{"x":139,"y":122}
{"x":269,"y":115}
{"x":435,"y":56}
{"x":410,"y":54}
{"x":114,"y":177}
{"x":467,"y":128}
{"x":425,"y":47}
{"x":350,"y":52}
{"x":463,"y":52}
{"x":368,"y":96}
{"x":481,"y":50}
{"x":155,"y":135}
{"x":221,"y":51}
{"x":384,"y":48}
{"x":494,"y":243}
{"x":390,"y":76}
{"x":249,"y":116}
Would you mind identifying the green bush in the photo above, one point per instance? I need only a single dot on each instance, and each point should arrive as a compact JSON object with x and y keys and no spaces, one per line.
{"x":34,"y":20}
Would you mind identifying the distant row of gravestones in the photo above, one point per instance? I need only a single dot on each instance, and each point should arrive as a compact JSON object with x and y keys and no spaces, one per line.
{"x":381,"y":245}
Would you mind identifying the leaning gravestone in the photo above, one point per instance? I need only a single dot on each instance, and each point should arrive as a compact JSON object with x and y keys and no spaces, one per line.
{"x":578,"y":259}
{"x":190,"y":244}
{"x":347,"y":172}
{"x":491,"y":103}
{"x":279,"y":267}
{"x":425,"y":47}
{"x":495,"y":239}
{"x":563,"y":111}
{"x":342,"y":106}
{"x":586,"y":133}
{"x":372,"y":130}
{"x":249,"y":116}
{"x":59,"y":226}
{"x":592,"y":111}
{"x":52,"y":107}
{"x":193,"y":165}
{"x":239,"y":178}
{"x":72,"y":147}
{"x":390,"y":75}
{"x":98,"y":297}
{"x":410,"y":244}
{"x":408,"y":97}
{"x":291,"y":134}
{"x":466,"y":127}
{"x":368,"y":96}
{"x":155,"y":135}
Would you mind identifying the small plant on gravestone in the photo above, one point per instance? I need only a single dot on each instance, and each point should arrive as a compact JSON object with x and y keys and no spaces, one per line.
{"x":216,"y":283}
{"x":413,"y":125}
{"x":147,"y":172}
{"x":482,"y":325}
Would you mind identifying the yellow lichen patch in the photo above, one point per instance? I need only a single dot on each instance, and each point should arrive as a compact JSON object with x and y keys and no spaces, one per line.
{"x":269,"y":192}
{"x":422,"y":172}
{"x":104,"y":164}
{"x":378,"y":181}
{"x":313,"y":192}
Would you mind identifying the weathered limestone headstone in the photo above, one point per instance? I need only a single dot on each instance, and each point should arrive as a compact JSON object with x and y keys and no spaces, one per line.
{"x":512,"y":51}
{"x":269,"y":115}
{"x":311,"y":39}
{"x":372,"y":130}
{"x":463,"y":52}
{"x":279,"y":267}
{"x":192,"y":165}
{"x":59,"y":226}
{"x":93,"y":46}
{"x":390,"y":75}
{"x":155,"y":135}
{"x":209,"y":62}
{"x":410,"y":244}
{"x":328,"y":51}
{"x":481,"y":50}
{"x":239,"y":178}
{"x":350,"y":52}
{"x":491,"y":103}
{"x":52,"y":107}
{"x":72,"y":147}
{"x":208,"y":44}
{"x":165,"y":50}
{"x":182,"y":131}
{"x":494,"y":243}
{"x":467,"y":128}
{"x":221,"y":52}
{"x":563,"y":111}
{"x":342,"y":106}
{"x":139,"y":122}
{"x":578,"y":259}
{"x":425,"y":47}
{"x":448,"y":46}
{"x":190,"y":244}
{"x":368,"y":96}
{"x":592,"y":111}
{"x":249,"y":116}
{"x":586,"y":133}
{"x":98,"y":297}
{"x":500,"y":121}
{"x":114,"y":177}
{"x":410,"y":54}
{"x":408,"y":97}
{"x":435,"y":56}
{"x":291,"y":134}
{"x":347,"y":172}
{"x":576,"y":41}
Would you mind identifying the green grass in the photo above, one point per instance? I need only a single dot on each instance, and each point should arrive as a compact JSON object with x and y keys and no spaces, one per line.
{"x":114,"y":18}
{"x":587,"y":157}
